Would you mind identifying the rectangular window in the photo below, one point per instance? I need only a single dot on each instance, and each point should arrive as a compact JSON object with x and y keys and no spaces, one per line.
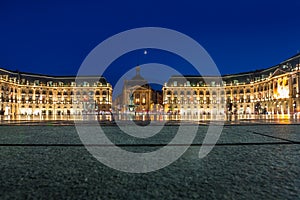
{"x":207,"y":100}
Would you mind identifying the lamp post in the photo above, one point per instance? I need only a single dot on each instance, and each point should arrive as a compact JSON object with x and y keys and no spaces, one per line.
{"x":294,"y":107}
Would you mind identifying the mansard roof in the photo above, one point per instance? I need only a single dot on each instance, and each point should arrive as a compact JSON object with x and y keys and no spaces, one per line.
{"x":31,"y":77}
{"x":245,"y":77}
{"x":137,"y":80}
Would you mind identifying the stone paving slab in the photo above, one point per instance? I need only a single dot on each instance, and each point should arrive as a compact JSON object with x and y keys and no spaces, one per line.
{"x":263,"y":169}
{"x":231,"y":172}
{"x":68,"y":135}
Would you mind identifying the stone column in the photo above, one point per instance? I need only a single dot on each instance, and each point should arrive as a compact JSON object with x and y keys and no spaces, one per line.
{"x":290,"y":100}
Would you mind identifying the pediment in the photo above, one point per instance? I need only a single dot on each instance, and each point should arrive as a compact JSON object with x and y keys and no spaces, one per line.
{"x":278,"y":72}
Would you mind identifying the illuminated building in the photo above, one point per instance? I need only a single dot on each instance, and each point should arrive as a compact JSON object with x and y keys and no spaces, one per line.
{"x":138,"y":96}
{"x":274,"y":91}
{"x":32,"y":94}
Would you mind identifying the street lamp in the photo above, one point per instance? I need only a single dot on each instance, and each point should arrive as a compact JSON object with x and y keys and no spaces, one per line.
{"x":294,"y":106}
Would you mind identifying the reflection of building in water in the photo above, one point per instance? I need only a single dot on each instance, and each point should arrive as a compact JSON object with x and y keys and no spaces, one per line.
{"x":274,"y":90}
{"x":138,"y":96}
{"x":31,"y":94}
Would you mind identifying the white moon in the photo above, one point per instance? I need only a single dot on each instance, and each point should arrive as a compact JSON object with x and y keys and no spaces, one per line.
{"x":145,"y":52}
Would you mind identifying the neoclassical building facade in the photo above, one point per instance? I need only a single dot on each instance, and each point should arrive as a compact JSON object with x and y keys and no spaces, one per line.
{"x":32,"y":94}
{"x":138,"y":96}
{"x":274,"y":91}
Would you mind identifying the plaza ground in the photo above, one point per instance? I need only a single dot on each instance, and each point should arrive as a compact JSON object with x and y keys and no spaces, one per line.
{"x":252,"y":160}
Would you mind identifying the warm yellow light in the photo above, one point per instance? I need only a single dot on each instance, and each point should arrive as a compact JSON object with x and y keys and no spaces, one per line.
{"x":283,"y":92}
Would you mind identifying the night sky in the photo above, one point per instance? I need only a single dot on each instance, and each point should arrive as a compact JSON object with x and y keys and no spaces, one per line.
{"x":49,"y":37}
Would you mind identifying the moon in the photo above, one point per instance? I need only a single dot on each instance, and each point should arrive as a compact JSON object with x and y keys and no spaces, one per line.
{"x":145,"y":52}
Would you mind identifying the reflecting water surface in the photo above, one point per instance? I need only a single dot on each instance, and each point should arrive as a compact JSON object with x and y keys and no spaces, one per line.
{"x":111,"y":117}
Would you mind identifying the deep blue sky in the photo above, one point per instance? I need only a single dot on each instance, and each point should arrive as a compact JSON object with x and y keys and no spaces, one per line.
{"x":54,"y":37}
